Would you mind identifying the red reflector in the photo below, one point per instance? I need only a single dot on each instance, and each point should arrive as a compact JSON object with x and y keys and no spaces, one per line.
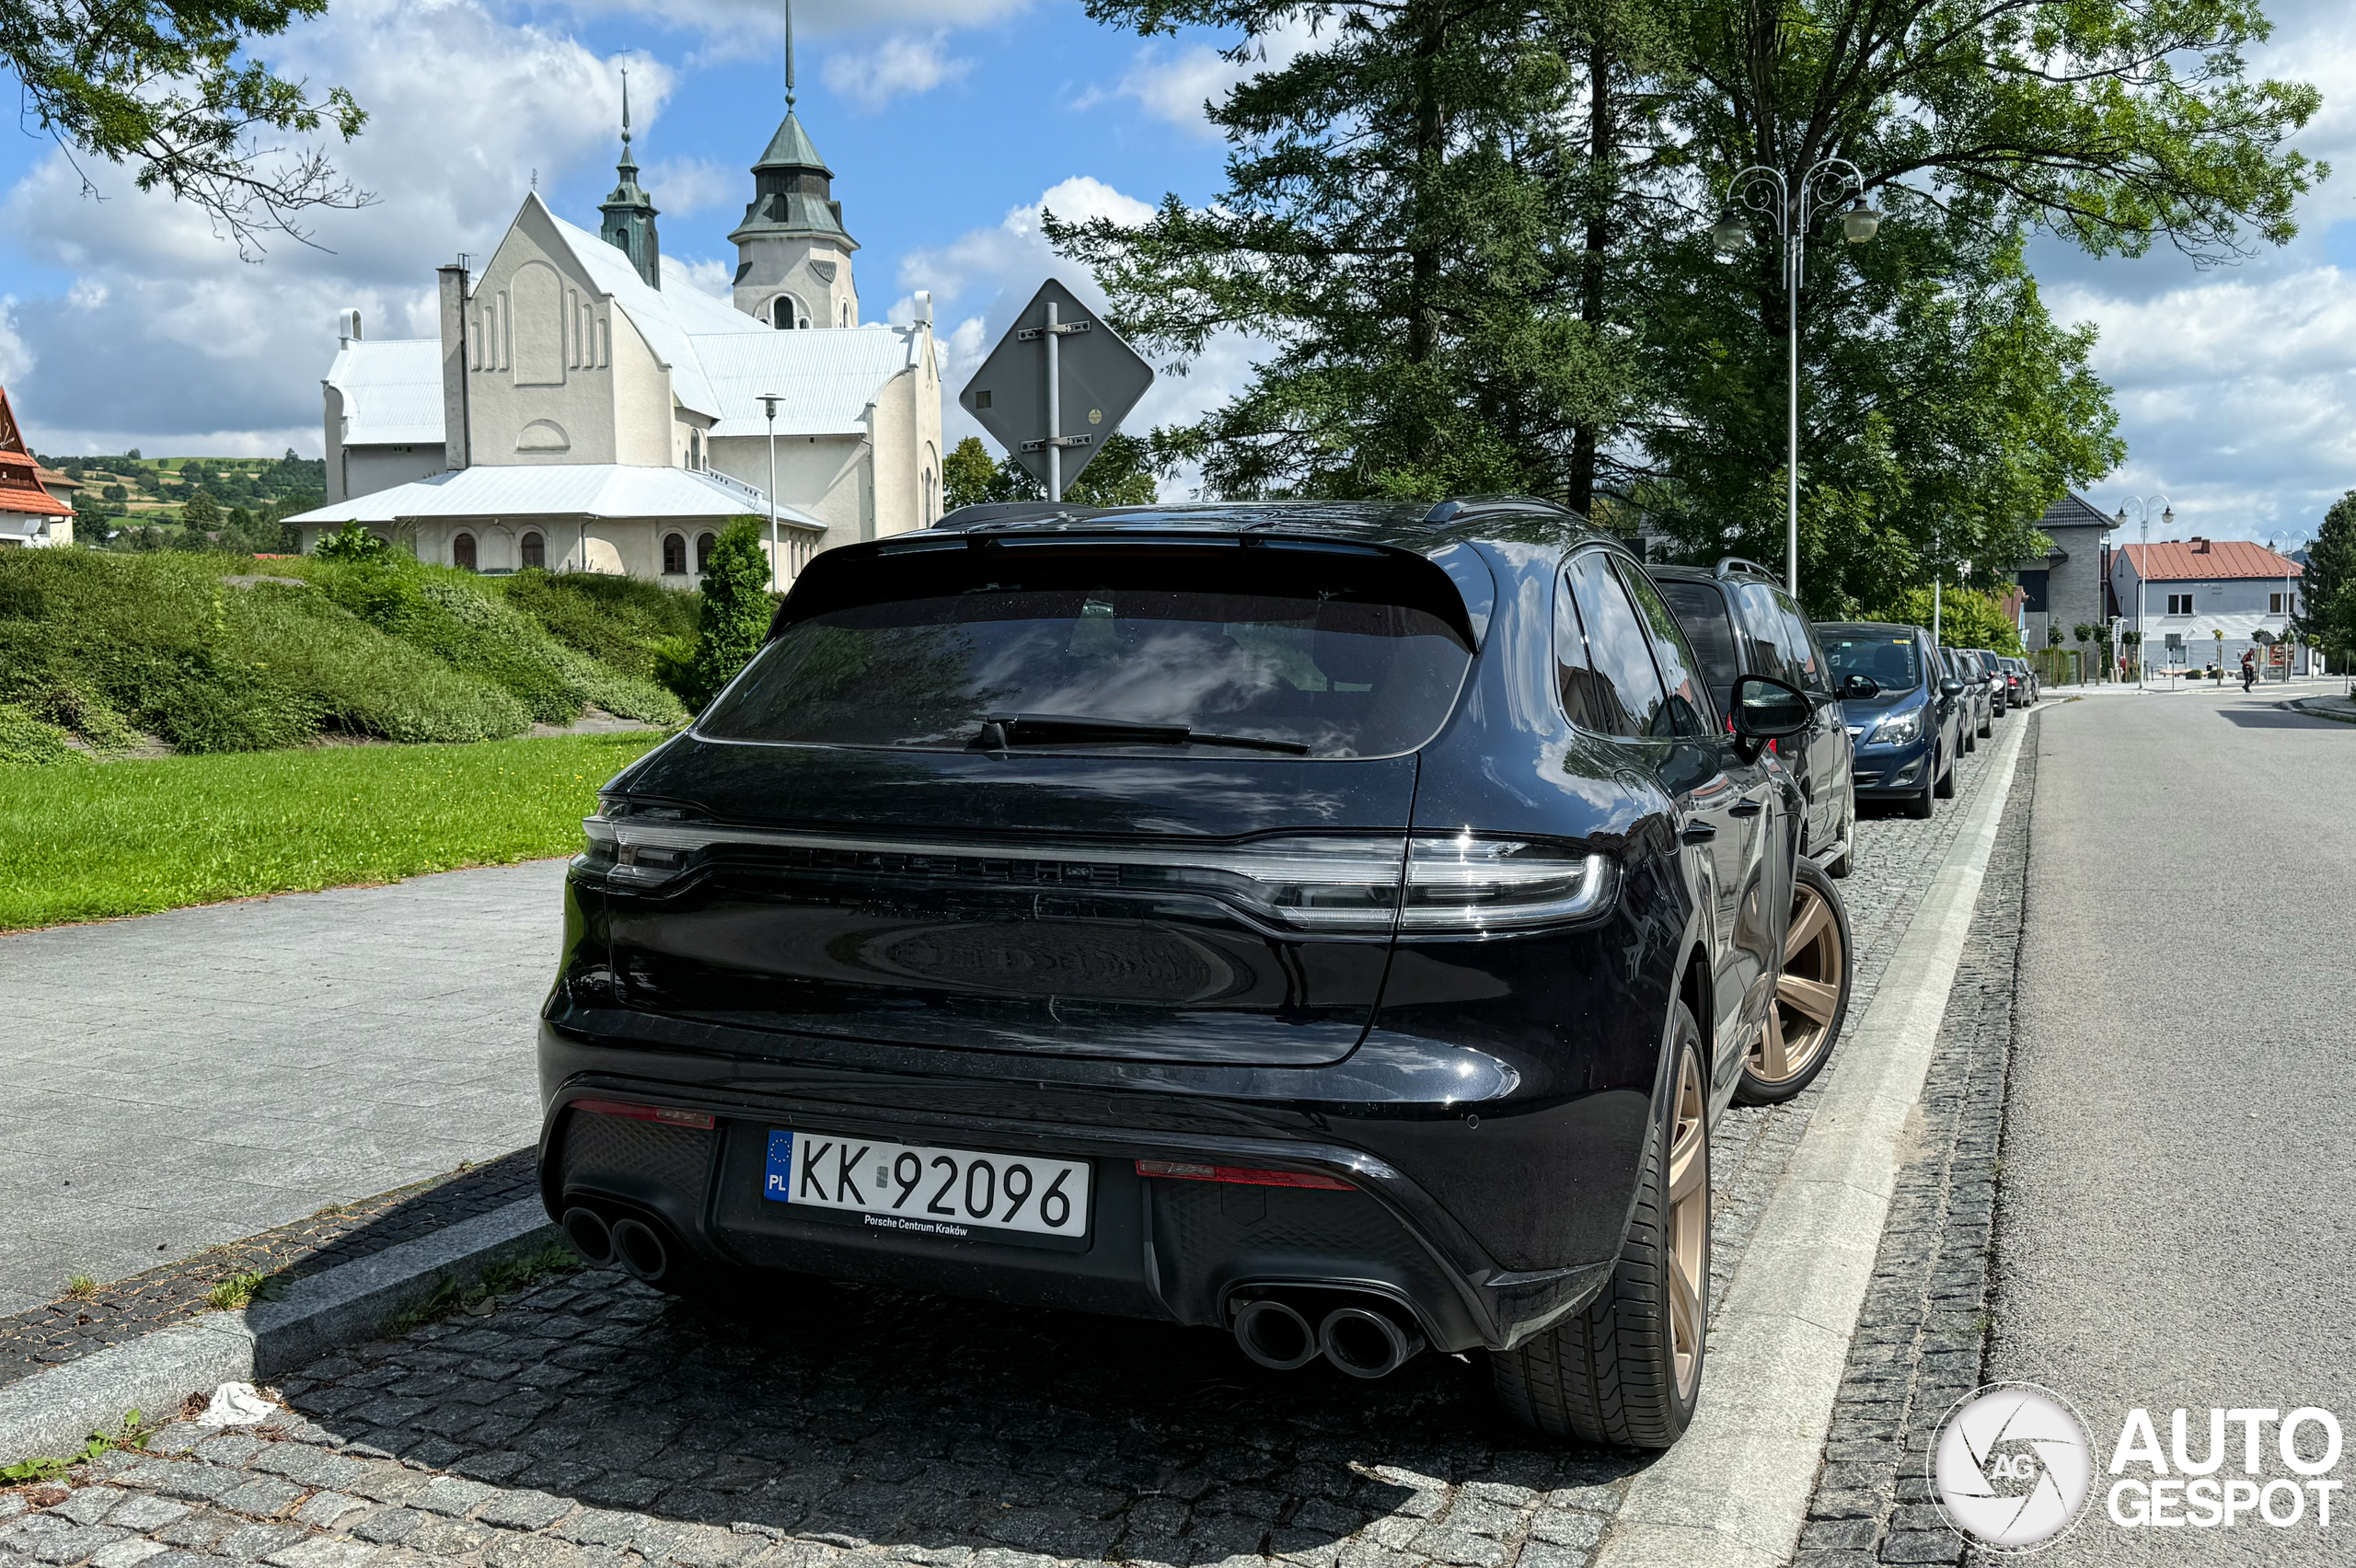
{"x":669,"y":1115}
{"x":1240,"y":1175}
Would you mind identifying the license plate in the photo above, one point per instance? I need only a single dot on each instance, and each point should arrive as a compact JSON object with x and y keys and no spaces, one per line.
{"x":951,"y":1192}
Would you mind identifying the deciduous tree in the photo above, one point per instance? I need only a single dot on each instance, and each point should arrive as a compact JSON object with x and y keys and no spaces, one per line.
{"x":169,"y":88}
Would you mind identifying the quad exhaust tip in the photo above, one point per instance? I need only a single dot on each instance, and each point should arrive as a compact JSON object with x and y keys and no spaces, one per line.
{"x":641,"y":1250}
{"x":1365,"y":1343}
{"x":590,"y":1235}
{"x":1363,"y":1340}
{"x":1276,"y":1335}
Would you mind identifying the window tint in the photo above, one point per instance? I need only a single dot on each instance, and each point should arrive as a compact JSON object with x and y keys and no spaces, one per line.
{"x":1769,"y":633}
{"x":1609,"y":683}
{"x":1689,"y":705}
{"x":1702,"y":611}
{"x":1891,"y":662}
{"x":1807,"y":655}
{"x":1348,"y":657}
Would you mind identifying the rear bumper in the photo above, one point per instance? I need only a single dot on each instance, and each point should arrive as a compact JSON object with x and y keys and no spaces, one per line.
{"x":1169,"y":1250}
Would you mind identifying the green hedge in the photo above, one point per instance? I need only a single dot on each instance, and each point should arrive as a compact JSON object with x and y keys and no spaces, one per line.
{"x":104,"y":647}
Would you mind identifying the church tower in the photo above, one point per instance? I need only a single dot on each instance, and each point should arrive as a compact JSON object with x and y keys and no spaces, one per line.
{"x":630,"y":212}
{"x":794,"y":255}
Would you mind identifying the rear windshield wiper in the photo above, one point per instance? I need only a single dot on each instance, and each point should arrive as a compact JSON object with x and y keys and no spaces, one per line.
{"x":1001,"y":730}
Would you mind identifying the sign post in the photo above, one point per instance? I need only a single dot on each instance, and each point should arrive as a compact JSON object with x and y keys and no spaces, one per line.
{"x":1086,"y":385}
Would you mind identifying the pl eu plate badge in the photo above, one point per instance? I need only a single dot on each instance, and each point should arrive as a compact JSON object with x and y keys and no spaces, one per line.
{"x":778,"y":1186}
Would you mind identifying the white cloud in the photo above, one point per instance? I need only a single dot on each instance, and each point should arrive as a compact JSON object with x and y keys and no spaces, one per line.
{"x":164,"y":331}
{"x":680,"y":186}
{"x":900,"y":66}
{"x":1173,"y":83}
{"x":705,"y":274}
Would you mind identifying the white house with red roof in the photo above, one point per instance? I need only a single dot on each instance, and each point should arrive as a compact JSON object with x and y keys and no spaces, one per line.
{"x":30,"y":517}
{"x":2194,"y":589}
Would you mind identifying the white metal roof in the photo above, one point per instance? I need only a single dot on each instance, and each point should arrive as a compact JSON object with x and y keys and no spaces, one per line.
{"x":825,"y":378}
{"x":558,"y":489}
{"x":392,"y":391}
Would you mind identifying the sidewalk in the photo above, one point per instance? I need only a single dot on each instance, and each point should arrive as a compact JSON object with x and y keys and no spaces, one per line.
{"x":192,"y":1078}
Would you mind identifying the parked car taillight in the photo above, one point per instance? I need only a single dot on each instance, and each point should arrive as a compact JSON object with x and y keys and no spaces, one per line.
{"x":1424,"y":885}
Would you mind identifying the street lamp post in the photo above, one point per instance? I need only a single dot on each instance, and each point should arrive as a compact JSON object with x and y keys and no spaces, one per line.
{"x":2143,"y":564}
{"x":769,"y":407}
{"x":1794,"y":207}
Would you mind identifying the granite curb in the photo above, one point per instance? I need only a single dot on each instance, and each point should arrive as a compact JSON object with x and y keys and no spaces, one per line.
{"x":53,"y":1410}
{"x":1736,"y":1490}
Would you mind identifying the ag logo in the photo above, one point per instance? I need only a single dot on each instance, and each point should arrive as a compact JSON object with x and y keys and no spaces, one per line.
{"x":2012,"y":1466}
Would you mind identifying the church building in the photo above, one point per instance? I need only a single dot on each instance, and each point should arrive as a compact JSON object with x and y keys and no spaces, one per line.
{"x":576,"y":413}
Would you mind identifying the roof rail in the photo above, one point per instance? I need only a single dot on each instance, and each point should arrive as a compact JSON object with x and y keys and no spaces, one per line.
{"x":1728,"y":565}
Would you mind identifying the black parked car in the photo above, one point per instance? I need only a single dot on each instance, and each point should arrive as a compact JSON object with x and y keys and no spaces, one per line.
{"x":1334,"y":925}
{"x":1999,"y":686}
{"x":1741,"y":622}
{"x":1980,"y":702}
{"x":1910,"y":717}
{"x":2021,"y":684}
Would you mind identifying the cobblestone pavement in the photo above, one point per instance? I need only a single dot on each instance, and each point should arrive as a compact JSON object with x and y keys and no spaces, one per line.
{"x":72,"y":1326}
{"x":1921,"y":1338}
{"x":187,"y":1079}
{"x":590,"y":1422}
{"x":1892,"y":864}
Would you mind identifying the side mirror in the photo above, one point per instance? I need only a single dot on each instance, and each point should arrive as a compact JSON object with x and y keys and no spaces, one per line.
{"x":1950,"y":687}
{"x":1767,"y":710}
{"x":1861,"y":688}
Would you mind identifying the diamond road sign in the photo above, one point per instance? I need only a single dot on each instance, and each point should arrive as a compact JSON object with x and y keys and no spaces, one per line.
{"x":1100,"y":380}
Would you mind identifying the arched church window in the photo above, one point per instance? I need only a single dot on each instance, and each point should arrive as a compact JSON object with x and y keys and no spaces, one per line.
{"x":784,"y":313}
{"x":535,"y":551}
{"x":694,"y":449}
{"x":462,"y":552}
{"x":704,"y":545}
{"x":675,"y":555}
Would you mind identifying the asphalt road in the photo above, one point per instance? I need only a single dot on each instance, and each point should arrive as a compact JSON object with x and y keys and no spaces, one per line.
{"x":2179,"y":1225}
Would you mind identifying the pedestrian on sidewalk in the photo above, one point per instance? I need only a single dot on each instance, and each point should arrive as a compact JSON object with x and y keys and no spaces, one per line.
{"x":2249,"y":669}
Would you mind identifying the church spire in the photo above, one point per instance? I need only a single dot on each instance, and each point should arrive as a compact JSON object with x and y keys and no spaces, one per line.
{"x":788,"y":56}
{"x":630,"y":211}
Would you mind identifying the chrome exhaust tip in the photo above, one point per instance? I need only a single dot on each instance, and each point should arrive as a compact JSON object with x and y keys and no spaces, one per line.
{"x":590,"y":1235}
{"x":1365,"y":1343}
{"x":641,"y":1250}
{"x":1274,"y":1334}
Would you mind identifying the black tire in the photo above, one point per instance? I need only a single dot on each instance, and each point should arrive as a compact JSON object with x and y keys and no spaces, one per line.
{"x":1944,"y":787}
{"x":1987,"y":729}
{"x":1803,"y":1017}
{"x":1626,"y":1368}
{"x":1971,"y":741}
{"x":1918,"y":804}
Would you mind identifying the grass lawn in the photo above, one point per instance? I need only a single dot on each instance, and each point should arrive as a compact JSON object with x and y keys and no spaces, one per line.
{"x":89,"y":842}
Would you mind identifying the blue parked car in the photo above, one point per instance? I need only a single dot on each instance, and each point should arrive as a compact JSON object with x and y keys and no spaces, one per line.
{"x":1904,"y":708}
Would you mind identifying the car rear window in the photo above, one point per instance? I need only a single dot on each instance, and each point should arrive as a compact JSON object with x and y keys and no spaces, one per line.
{"x":1344,"y":653}
{"x":1891,"y":662}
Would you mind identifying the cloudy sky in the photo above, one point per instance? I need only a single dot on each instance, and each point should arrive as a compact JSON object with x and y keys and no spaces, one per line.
{"x":125,"y":322}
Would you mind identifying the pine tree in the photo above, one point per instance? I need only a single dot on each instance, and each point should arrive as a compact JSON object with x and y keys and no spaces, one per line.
{"x":2327,"y":607}
{"x":738,"y":608}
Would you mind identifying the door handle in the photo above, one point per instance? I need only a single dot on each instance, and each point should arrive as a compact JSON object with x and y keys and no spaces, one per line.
{"x":1698,"y":833}
{"x":1746,"y":808}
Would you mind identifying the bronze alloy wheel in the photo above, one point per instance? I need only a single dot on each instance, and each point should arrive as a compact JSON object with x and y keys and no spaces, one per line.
{"x":1812,"y":996}
{"x":1688,"y":1224}
{"x":1808,"y":993}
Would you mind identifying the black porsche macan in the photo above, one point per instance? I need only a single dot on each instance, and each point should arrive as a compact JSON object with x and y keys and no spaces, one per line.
{"x":1332,"y":924}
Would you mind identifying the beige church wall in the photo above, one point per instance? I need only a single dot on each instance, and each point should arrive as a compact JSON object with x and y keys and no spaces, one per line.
{"x":684,"y":423}
{"x":823,"y":476}
{"x":364,"y":470}
{"x":550,"y":362}
{"x":643,"y":408}
{"x":906,"y":422}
